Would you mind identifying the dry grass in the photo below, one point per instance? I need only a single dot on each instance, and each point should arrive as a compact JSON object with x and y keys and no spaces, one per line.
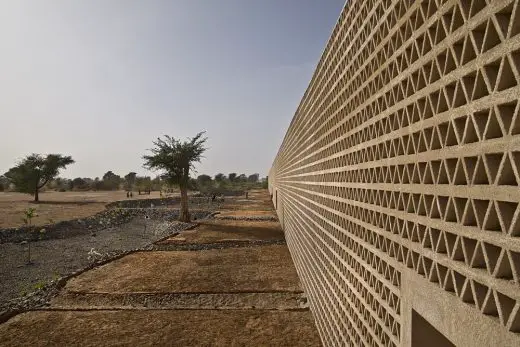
{"x":226,"y":230}
{"x":246,"y":213}
{"x":57,"y":206}
{"x":267,"y":268}
{"x":161,"y":328}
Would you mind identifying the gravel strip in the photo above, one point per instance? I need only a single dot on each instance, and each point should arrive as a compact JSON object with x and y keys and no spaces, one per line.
{"x":215,"y":245}
{"x":191,"y":301}
{"x":26,"y":285}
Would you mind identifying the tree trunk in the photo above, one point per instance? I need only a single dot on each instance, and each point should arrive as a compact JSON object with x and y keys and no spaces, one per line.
{"x":36,"y":198}
{"x":184,"y":213}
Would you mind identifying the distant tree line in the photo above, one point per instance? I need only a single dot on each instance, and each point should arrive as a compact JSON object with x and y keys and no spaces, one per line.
{"x":206,"y":184}
{"x":109,"y":181}
{"x":221,"y":183}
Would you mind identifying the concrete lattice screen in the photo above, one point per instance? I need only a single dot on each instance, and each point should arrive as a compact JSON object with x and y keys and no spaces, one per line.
{"x":398,"y":178}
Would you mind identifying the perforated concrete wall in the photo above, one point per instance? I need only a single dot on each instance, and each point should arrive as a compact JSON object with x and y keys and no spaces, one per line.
{"x":397,"y":183}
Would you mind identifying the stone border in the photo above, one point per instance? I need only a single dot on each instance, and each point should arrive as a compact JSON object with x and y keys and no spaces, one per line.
{"x":216,"y":245}
{"x":264,"y":300}
{"x":251,"y":218}
{"x":103,"y":220}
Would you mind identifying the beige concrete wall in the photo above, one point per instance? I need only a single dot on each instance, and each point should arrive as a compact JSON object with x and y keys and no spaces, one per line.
{"x":397,"y":182}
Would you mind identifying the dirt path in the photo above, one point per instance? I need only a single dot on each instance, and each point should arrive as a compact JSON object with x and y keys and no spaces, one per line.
{"x":227,"y":282}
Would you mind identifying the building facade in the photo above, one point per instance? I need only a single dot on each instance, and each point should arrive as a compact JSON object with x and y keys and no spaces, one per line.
{"x":397,"y":183}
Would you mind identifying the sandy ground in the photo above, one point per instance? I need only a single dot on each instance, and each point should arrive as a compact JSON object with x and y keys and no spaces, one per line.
{"x":242,"y":294}
{"x":266,"y":268}
{"x":258,"y":200}
{"x":228,"y":230}
{"x":161,"y":328}
{"x":247,"y":213}
{"x":57,"y":206}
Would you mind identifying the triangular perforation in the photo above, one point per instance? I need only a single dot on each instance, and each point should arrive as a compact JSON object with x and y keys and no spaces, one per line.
{"x":441,"y":32}
{"x":514,"y":320}
{"x":507,"y":114}
{"x":492,"y":253}
{"x":470,"y":133}
{"x":478,"y":260}
{"x":441,"y":244}
{"x":449,"y":282}
{"x":467,"y":293}
{"x":503,"y":268}
{"x":491,"y":71}
{"x":480,"y":208}
{"x":479,"y":292}
{"x":468,"y":53}
{"x":459,"y":178}
{"x":470,"y":164}
{"x":480,"y":90}
{"x":458,"y":281}
{"x":469,"y":217}
{"x":451,"y":240}
{"x":437,"y":141}
{"x":435,"y":73}
{"x":515,"y":265}
{"x":458,"y":253}
{"x":502,"y":19}
{"x":468,"y":84}
{"x":465,"y":8}
{"x":507,"y":213}
{"x":469,"y":247}
{"x":446,"y":19}
{"x":491,"y":39}
{"x":515,"y":25}
{"x":457,"y":97}
{"x":477,"y":36}
{"x":506,"y":305}
{"x":490,"y":306}
{"x":493,"y":129}
{"x":477,"y":6}
{"x":480,"y":119}
{"x":492,"y":162}
{"x":491,"y":221}
{"x":507,"y":175}
{"x":507,"y":77}
{"x":451,"y":63}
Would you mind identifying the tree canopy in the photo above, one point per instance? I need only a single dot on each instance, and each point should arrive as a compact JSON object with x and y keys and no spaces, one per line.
{"x":253,"y":178}
{"x":130,"y":180}
{"x":232,"y":176}
{"x":220,"y":177}
{"x":111,"y":181}
{"x":176,"y":159}
{"x":35,"y":171}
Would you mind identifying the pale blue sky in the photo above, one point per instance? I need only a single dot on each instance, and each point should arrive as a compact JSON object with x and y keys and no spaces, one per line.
{"x":101,"y":79}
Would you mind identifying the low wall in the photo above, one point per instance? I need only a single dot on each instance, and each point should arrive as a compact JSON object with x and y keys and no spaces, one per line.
{"x":107,"y":219}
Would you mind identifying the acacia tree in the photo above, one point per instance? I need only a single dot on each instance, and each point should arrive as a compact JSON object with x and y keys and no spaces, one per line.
{"x":35,"y":171}
{"x":220,"y":177}
{"x":130,"y":180}
{"x":176,"y":160}
{"x":111,"y":181}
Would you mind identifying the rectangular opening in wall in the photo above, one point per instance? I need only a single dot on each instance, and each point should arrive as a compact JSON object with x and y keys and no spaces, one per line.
{"x":425,"y":335}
